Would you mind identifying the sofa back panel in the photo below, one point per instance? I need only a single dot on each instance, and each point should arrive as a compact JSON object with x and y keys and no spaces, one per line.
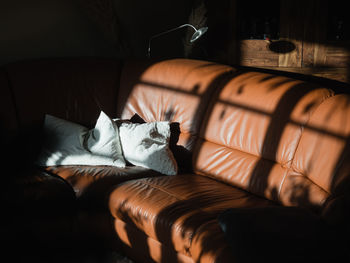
{"x":254,"y":126}
{"x":73,"y":89}
{"x":299,"y":190}
{"x":262,"y":114}
{"x":258,"y":176}
{"x":175,"y":90}
{"x":240,"y":169}
{"x":8,"y":118}
{"x":323,"y":153}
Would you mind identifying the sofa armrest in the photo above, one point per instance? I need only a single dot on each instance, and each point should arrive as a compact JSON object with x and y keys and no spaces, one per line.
{"x":34,"y":186}
{"x":38,"y":209}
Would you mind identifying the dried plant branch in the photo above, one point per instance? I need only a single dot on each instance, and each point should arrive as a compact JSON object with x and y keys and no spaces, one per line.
{"x":197,"y":18}
{"x":102,"y":12}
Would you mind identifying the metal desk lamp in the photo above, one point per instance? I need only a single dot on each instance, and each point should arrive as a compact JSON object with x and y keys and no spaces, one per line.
{"x":197,"y":34}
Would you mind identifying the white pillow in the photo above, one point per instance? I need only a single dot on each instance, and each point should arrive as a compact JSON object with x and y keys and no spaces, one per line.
{"x":147,"y":145}
{"x":68,"y":143}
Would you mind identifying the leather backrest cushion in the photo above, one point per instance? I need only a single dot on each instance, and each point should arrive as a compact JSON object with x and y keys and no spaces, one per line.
{"x":323,"y":154}
{"x":72,"y":89}
{"x":253,"y":128}
{"x":176,"y":90}
{"x":262,"y":115}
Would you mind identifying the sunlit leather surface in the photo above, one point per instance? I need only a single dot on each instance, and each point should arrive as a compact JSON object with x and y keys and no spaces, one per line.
{"x":252,"y":131}
{"x":249,"y":136}
{"x":176,"y":91}
{"x":179,"y":210}
{"x":238,"y":168}
{"x":256,"y":140}
{"x":323,"y":152}
{"x":96,"y":180}
{"x":262,"y":114}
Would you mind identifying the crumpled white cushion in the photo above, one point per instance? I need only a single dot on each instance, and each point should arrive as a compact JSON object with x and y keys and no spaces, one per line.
{"x":147,"y":145}
{"x":68,"y":143}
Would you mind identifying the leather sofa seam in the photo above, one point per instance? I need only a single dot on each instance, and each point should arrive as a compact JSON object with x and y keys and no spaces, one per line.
{"x":282,"y":183}
{"x":332,"y":94}
{"x":305,"y":123}
{"x":162,"y":190}
{"x":252,"y":154}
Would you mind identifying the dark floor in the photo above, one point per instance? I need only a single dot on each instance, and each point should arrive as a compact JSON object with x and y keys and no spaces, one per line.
{"x":65,"y":256}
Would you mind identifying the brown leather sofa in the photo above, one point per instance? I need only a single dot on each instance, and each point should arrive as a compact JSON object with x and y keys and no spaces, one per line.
{"x":249,"y":142}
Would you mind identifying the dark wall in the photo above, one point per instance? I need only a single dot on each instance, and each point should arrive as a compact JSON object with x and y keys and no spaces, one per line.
{"x":48,"y":28}
{"x":142,"y":19}
{"x":62,"y":28}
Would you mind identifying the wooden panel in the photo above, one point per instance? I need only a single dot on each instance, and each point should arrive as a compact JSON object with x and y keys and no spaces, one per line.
{"x":290,"y":28}
{"x":339,"y":74}
{"x":329,"y":54}
{"x":314,"y":17}
{"x":304,"y":24}
{"x":319,"y":58}
{"x":317,"y":51}
{"x":256,"y":53}
{"x":337,"y":55}
{"x":293,"y":58}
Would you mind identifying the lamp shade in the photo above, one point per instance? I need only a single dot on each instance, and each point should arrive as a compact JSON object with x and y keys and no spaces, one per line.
{"x":197,"y":34}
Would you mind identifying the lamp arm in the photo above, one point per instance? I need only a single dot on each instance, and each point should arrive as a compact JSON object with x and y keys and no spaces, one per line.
{"x":166,"y":32}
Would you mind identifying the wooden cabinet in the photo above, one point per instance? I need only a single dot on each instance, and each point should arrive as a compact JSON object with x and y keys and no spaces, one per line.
{"x":313,"y":37}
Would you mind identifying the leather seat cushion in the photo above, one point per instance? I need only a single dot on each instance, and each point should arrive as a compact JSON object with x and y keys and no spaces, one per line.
{"x":180,"y":211}
{"x":94,"y":182}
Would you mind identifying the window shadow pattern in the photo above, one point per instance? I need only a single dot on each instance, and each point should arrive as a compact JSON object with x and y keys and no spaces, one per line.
{"x":279,"y":119}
